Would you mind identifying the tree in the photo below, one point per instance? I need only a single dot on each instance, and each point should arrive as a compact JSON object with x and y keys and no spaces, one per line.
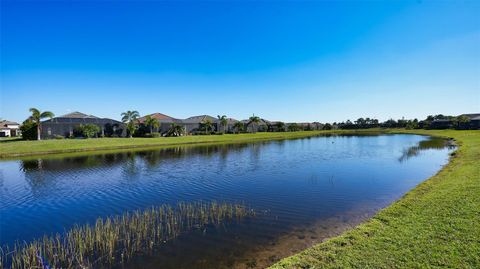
{"x":327,"y":126}
{"x":89,"y":130}
{"x":152,"y":123}
{"x":175,"y":130}
{"x":29,"y":130}
{"x":129,"y":118}
{"x":280,"y":126}
{"x":37,"y":116}
{"x":293,"y":127}
{"x":254,"y":120}
{"x":208,"y":125}
{"x":462,"y":122}
{"x":238,"y":126}
{"x":223,"y":121}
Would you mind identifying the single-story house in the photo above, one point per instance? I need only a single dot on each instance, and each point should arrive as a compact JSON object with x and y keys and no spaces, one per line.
{"x":474,"y":120}
{"x":262,"y":126}
{"x":195,"y":124}
{"x":9,"y":128}
{"x":67,"y":126}
{"x":165,"y":121}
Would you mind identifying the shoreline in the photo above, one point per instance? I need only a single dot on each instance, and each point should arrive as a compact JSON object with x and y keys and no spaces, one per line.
{"x":403,"y":234}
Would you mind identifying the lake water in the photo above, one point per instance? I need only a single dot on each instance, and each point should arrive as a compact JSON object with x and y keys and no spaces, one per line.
{"x":303,"y":190}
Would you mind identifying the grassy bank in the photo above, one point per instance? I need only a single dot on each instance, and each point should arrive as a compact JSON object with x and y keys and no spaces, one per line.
{"x":434,"y":225}
{"x":9,"y":149}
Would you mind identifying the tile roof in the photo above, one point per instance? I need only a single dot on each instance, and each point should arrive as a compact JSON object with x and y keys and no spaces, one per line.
{"x":4,"y":123}
{"x":160,"y":117}
{"x":77,"y":115}
{"x":199,"y":119}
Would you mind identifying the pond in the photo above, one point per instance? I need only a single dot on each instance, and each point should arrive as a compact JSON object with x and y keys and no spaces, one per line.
{"x":303,"y":191}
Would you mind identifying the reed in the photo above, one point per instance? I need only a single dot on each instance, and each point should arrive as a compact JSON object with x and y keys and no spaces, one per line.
{"x":115,"y":240}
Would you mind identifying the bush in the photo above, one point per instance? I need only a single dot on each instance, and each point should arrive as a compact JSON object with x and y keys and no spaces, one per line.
{"x":59,"y":137}
{"x":153,"y":135}
{"x":29,"y":130}
{"x":88,"y":130}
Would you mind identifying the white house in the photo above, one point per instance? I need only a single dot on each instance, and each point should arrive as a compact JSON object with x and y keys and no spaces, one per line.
{"x":9,"y":128}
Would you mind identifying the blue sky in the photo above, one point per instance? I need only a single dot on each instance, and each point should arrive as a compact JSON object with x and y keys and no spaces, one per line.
{"x":292,"y":61}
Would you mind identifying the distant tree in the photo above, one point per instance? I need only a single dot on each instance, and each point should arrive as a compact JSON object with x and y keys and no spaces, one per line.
{"x":29,"y":129}
{"x":207,"y":124}
{"x":223,"y":121}
{"x":175,"y":130}
{"x":280,"y":126}
{"x":129,"y":118}
{"x":239,"y":126}
{"x":152,"y":123}
{"x":462,"y":121}
{"x":37,"y":116}
{"x":254,"y":120}
{"x":327,"y":126}
{"x":88,"y":130}
{"x":293,"y":127}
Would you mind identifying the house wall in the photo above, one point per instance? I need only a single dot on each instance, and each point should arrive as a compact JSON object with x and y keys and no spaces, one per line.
{"x":68,"y":129}
{"x":5,"y":133}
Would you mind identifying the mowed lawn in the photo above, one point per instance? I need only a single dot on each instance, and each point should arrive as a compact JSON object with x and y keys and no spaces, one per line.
{"x":436,"y":225}
{"x":11,"y":148}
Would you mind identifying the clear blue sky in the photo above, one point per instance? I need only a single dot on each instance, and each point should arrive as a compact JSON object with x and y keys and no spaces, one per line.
{"x":292,"y":61}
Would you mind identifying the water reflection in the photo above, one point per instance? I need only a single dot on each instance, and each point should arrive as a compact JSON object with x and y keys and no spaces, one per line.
{"x":430,"y":143}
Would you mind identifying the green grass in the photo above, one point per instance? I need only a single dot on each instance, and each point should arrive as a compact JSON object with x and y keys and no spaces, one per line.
{"x":435,"y":225}
{"x":10,"y":149}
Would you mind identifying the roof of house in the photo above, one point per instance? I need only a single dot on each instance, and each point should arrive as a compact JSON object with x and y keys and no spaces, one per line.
{"x":262,"y":122}
{"x":5,"y":123}
{"x":79,"y":117}
{"x":160,"y":117}
{"x":472,"y":116}
{"x":199,"y":119}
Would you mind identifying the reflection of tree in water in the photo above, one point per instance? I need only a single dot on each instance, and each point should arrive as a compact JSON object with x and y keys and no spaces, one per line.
{"x":431,"y":143}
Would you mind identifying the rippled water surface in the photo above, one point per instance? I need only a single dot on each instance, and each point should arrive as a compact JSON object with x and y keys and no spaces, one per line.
{"x":293,"y":184}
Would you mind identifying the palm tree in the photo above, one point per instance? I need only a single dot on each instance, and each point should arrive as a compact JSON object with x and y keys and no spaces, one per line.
{"x":208,"y":125}
{"x":37,"y":116}
{"x":175,"y":130}
{"x":223,"y":121}
{"x":238,"y":126}
{"x":254,"y":120}
{"x":152,"y":123}
{"x":129,"y":118}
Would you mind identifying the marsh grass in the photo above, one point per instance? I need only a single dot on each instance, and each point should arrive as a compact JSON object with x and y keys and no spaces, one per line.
{"x":117,"y":239}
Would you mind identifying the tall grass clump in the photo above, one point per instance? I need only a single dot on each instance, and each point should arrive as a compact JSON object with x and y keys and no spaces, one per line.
{"x":115,"y":240}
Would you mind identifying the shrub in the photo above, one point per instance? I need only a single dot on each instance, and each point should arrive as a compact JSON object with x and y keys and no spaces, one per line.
{"x":88,"y":130}
{"x":29,"y":130}
{"x":152,"y":135}
{"x":59,"y":137}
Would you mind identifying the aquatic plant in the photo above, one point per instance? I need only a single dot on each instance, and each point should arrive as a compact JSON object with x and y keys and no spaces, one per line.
{"x":115,"y":240}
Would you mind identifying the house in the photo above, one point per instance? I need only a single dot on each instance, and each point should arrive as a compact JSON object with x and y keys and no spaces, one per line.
{"x":230,"y":126}
{"x":195,"y":124}
{"x":67,"y":126}
{"x":165,"y":121}
{"x":450,"y":122}
{"x":262,"y":126}
{"x":9,"y":128}
{"x":474,"y":120}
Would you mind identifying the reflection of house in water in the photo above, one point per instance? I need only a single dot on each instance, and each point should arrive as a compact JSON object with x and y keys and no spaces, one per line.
{"x":68,"y":124}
